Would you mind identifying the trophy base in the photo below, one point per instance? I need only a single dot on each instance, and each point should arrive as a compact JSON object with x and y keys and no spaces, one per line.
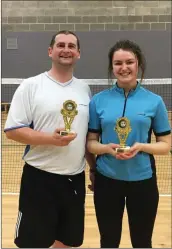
{"x":66,"y":133}
{"x":122,"y":149}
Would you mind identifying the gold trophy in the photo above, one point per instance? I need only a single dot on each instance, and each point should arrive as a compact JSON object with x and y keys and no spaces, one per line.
{"x":69,"y":112}
{"x":123,"y":129}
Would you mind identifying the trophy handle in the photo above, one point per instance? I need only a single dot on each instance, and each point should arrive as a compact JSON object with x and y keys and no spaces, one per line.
{"x":70,"y":121}
{"x":67,"y":126}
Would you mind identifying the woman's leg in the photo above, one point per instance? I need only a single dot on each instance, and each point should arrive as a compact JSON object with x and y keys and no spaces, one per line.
{"x":142,"y":203}
{"x":109,"y":206}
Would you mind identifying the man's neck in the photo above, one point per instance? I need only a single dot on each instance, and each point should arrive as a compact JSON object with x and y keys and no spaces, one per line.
{"x":61,"y":75}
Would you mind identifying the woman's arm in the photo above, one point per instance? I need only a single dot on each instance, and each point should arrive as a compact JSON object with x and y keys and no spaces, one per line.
{"x":91,"y":160}
{"x":95,"y":147}
{"x":161,"y":147}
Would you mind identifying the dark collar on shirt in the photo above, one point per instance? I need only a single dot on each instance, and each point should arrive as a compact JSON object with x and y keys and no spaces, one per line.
{"x":121,"y":90}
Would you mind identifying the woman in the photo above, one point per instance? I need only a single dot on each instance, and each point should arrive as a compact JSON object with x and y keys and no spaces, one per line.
{"x":121,"y":122}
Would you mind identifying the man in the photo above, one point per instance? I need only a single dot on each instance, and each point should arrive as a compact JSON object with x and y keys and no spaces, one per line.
{"x":52,"y":194}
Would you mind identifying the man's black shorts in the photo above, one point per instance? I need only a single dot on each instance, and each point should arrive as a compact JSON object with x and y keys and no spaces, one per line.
{"x":51,"y":207}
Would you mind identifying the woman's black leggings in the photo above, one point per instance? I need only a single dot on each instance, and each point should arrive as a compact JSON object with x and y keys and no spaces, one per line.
{"x":141,"y":199}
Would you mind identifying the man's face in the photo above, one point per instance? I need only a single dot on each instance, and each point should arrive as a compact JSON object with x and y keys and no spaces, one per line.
{"x":65,"y":51}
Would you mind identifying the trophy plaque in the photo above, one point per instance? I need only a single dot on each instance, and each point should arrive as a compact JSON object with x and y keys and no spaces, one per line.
{"x":123,"y":129}
{"x":68,"y":112}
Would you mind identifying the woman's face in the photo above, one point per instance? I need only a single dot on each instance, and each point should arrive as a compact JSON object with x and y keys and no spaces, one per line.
{"x":125,"y":68}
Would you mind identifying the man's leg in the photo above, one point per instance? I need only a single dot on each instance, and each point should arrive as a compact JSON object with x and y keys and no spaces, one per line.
{"x":70,"y":231}
{"x":38,"y":214}
{"x":58,"y":244}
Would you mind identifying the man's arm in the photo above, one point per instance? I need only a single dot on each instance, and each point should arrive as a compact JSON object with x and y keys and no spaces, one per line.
{"x":29,"y":136}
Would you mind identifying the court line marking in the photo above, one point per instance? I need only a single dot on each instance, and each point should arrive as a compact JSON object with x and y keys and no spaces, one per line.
{"x":10,"y":193}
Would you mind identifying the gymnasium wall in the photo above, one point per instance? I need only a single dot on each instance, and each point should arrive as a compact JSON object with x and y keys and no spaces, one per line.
{"x":85,"y":15}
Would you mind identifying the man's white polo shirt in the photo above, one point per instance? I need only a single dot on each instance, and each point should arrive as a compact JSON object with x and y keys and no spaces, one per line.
{"x":37,"y":103}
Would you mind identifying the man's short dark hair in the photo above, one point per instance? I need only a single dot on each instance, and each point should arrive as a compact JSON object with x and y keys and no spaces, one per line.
{"x":66,"y":32}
